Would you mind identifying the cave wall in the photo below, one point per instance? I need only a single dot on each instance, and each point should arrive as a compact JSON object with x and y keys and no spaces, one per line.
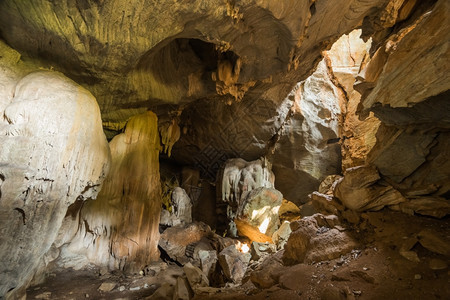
{"x":410,"y":97}
{"x":53,"y":152}
{"x":403,"y":113}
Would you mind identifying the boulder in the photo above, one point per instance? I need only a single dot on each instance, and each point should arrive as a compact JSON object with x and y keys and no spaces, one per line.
{"x":195,"y":276}
{"x":174,"y":240}
{"x":326,"y":204}
{"x":267,"y":274}
{"x":437,"y":242}
{"x":361,"y":190}
{"x":258,"y":250}
{"x":314,"y":239}
{"x":281,"y":236}
{"x":234,"y":263}
{"x":208,"y":261}
{"x":260,"y":209}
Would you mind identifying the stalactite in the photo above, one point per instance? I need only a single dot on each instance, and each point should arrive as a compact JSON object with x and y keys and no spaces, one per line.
{"x":170,"y":133}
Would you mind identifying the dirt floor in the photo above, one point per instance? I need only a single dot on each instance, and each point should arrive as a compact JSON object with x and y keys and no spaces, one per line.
{"x":376,"y":270}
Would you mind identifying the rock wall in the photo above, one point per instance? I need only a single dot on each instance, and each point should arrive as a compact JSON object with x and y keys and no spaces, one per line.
{"x":53,"y":152}
{"x":404,"y":86}
{"x":346,"y":57}
{"x":119,"y":230}
{"x":307,"y":145}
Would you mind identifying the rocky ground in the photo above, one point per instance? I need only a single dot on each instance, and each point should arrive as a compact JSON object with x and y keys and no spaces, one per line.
{"x":397,"y":259}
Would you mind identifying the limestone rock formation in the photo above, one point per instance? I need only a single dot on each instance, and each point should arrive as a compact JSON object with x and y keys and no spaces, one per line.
{"x":119,"y":230}
{"x":398,"y":74}
{"x":234,"y":263}
{"x":316,"y":239}
{"x":181,"y":209}
{"x":307,"y":149}
{"x":260,"y":210}
{"x":53,"y":152}
{"x":168,"y":51}
{"x":174,"y":240}
{"x":360,"y":190}
{"x":346,"y":57}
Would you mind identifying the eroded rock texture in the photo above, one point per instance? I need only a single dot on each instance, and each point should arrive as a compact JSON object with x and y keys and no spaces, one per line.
{"x":53,"y":152}
{"x":119,"y":230}
{"x":228,"y":65}
{"x":405,"y":85}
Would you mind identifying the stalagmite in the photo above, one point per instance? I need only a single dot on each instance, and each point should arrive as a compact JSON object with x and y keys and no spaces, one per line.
{"x":120,"y":228}
{"x":53,"y":152}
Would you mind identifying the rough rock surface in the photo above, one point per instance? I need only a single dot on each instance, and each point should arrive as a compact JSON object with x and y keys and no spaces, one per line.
{"x":166,"y":52}
{"x":407,"y":76}
{"x":119,"y":230}
{"x":361,"y":189}
{"x":53,"y":152}
{"x":260,"y":209}
{"x":307,"y":149}
{"x":315,"y":239}
{"x":174,"y":240}
{"x":346,"y":57}
{"x":234,"y":263}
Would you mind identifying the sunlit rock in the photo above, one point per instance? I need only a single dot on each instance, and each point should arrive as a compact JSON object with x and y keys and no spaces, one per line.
{"x":234,"y":263}
{"x":260,"y":209}
{"x":346,"y":57}
{"x":307,"y":149}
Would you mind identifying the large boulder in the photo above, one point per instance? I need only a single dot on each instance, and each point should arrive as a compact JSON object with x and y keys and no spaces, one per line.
{"x":260,"y":210}
{"x":360,"y":190}
{"x":316,"y":238}
{"x":53,"y":152}
{"x":234,"y":263}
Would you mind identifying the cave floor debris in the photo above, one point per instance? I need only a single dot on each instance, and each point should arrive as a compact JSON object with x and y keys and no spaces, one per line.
{"x":375,"y":271}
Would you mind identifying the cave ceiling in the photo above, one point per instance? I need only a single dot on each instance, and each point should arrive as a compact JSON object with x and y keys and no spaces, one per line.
{"x":138,"y":55}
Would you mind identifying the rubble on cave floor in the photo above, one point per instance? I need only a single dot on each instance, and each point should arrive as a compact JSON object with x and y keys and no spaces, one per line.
{"x":375,"y":269}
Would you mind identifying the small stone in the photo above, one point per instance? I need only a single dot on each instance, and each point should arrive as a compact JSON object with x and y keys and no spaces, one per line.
{"x":122,"y":288}
{"x":86,"y":295}
{"x":146,"y":286}
{"x":46,"y":295}
{"x":417,"y":276}
{"x":437,"y":264}
{"x":141,"y":273}
{"x":410,"y":255}
{"x":107,"y":287}
{"x":358,"y":293}
{"x":365,"y":269}
{"x":137,"y":288}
